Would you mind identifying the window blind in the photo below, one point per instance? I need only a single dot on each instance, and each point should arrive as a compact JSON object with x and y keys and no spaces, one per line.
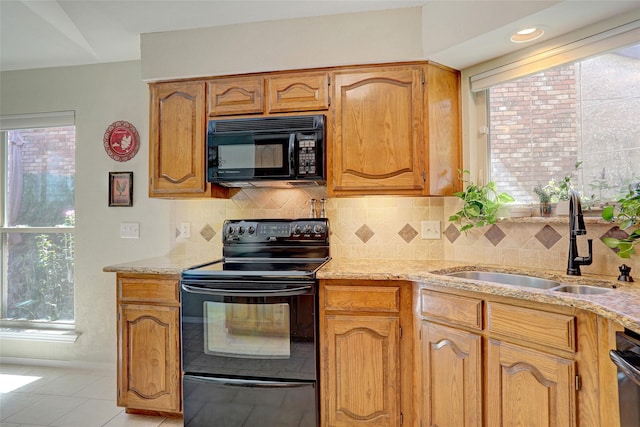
{"x":37,"y":120}
{"x":604,"y":41}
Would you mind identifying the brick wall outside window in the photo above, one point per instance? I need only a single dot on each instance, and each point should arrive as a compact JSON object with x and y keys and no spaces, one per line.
{"x":541,"y":125}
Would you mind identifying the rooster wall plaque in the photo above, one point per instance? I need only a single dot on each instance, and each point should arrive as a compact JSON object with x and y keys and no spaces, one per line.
{"x":121,"y":141}
{"x":121,"y":189}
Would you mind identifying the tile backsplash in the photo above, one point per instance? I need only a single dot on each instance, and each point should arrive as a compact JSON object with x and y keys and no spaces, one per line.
{"x":378,"y":227}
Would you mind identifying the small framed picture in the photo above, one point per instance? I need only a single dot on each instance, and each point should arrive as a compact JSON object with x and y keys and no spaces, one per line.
{"x":121,"y":189}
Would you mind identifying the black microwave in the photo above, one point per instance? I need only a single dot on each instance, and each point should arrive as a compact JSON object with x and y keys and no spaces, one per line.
{"x":270,"y":151}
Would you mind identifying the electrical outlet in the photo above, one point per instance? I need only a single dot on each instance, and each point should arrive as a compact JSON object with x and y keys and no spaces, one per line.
{"x":185,"y":230}
{"x":129,"y":230}
{"x":430,"y":230}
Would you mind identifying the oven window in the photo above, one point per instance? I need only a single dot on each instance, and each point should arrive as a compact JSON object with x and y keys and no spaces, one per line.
{"x":247,"y":330}
{"x":250,"y":156}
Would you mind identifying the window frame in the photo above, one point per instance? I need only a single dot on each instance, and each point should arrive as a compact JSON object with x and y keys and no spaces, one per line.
{"x":16,"y":122}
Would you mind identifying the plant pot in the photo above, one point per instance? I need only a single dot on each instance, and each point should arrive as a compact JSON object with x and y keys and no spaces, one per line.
{"x":546,"y":208}
{"x":562,"y":208}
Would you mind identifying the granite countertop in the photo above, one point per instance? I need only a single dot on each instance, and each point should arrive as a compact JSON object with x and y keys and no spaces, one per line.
{"x":169,"y":264}
{"x":621,"y":304}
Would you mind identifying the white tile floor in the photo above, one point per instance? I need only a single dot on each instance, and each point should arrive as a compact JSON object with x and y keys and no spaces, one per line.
{"x":32,"y":396}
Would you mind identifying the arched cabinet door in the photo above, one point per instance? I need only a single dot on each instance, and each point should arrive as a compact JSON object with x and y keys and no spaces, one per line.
{"x":452,"y":376}
{"x":378,"y":137}
{"x":177,"y":163}
{"x":529,"y":388}
{"x":363,"y":373}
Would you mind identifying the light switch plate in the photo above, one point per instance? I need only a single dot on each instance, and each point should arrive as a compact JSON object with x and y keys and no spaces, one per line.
{"x":129,"y":230}
{"x":430,"y":230}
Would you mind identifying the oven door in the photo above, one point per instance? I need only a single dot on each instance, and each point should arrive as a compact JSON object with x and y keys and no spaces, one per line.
{"x":210,"y":401}
{"x":240,"y":329}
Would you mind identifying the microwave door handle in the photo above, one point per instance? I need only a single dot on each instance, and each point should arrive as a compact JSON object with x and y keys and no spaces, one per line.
{"x":292,"y":156}
{"x":631,"y":371}
{"x":247,"y":292}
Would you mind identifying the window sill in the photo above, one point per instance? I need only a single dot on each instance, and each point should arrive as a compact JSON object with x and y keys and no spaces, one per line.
{"x":554,"y":220}
{"x":46,"y":335}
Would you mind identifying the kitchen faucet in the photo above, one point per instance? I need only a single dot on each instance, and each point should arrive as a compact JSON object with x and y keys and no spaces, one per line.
{"x":576,"y":228}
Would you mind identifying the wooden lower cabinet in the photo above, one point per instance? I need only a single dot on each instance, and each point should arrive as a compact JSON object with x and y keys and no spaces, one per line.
{"x":149,"y":375}
{"x":487,"y":360}
{"x":362,"y":373}
{"x":365,"y":357}
{"x":452,"y":376}
{"x":526,"y":387}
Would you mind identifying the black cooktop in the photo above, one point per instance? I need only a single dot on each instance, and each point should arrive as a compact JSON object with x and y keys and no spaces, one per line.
{"x":268,"y":249}
{"x":270,"y":267}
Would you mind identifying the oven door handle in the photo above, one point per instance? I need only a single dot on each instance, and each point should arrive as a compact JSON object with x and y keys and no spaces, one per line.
{"x":285,"y":292}
{"x":234,"y":382}
{"x":631,"y":371}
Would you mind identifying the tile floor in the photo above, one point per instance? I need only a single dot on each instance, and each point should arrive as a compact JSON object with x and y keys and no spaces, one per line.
{"x":32,"y":396}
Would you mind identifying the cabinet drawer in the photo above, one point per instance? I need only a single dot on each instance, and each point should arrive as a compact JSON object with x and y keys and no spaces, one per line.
{"x":462,"y":311}
{"x":362,"y":298}
{"x":549,"y":329}
{"x":298,"y":92}
{"x":163,"y":290}
{"x":228,"y":96}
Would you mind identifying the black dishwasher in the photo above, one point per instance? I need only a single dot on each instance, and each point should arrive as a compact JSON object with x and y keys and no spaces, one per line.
{"x":627,"y":359}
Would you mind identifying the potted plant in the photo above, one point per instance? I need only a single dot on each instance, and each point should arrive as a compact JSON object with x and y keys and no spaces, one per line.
{"x":561,"y":190}
{"x":628,"y":216}
{"x":481,"y":204}
{"x":544,"y":195}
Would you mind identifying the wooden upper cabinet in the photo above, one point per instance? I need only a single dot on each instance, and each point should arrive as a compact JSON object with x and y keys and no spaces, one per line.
{"x":178,"y":134}
{"x":235,"y":95}
{"x":298,"y":92}
{"x":443,"y":130}
{"x":268,"y":93}
{"x":378,"y":140}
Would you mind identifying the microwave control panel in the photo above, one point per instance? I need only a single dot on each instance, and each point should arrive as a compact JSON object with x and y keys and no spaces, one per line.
{"x":307,"y":155}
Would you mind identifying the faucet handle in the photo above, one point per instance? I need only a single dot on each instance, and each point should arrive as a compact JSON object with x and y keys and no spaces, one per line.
{"x":624,"y":273}
{"x":586,"y":260}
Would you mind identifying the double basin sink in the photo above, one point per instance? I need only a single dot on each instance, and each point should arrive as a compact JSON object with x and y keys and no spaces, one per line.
{"x":528,"y":282}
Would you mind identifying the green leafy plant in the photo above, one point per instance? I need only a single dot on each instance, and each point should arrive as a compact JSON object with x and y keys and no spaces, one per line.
{"x":543,"y":193}
{"x":561,"y":189}
{"x":628,"y":217}
{"x":481,"y":204}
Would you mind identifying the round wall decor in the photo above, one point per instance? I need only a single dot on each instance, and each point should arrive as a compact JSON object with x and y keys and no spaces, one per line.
{"x":121,"y":141}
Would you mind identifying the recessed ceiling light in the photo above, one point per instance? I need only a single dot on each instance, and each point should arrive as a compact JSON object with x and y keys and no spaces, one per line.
{"x":527,"y":34}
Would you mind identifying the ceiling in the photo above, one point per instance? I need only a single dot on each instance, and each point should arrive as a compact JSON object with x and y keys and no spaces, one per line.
{"x":50,"y":33}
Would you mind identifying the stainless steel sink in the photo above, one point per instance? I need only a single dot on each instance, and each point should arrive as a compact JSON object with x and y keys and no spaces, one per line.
{"x":507,"y":279}
{"x":581,"y":289}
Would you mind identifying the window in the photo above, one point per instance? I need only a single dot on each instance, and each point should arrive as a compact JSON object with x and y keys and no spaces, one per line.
{"x":583,"y":114}
{"x":37,"y":241}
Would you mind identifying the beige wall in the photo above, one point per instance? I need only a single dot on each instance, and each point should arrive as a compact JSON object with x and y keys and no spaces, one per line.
{"x":357,"y":38}
{"x":100,"y":95}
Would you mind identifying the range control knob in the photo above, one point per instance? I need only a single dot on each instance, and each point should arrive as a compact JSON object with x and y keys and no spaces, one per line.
{"x":241,"y":230}
{"x":230,"y":230}
{"x":251,"y":229}
{"x":297,"y":229}
{"x":307,"y":228}
{"x":318,"y":228}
